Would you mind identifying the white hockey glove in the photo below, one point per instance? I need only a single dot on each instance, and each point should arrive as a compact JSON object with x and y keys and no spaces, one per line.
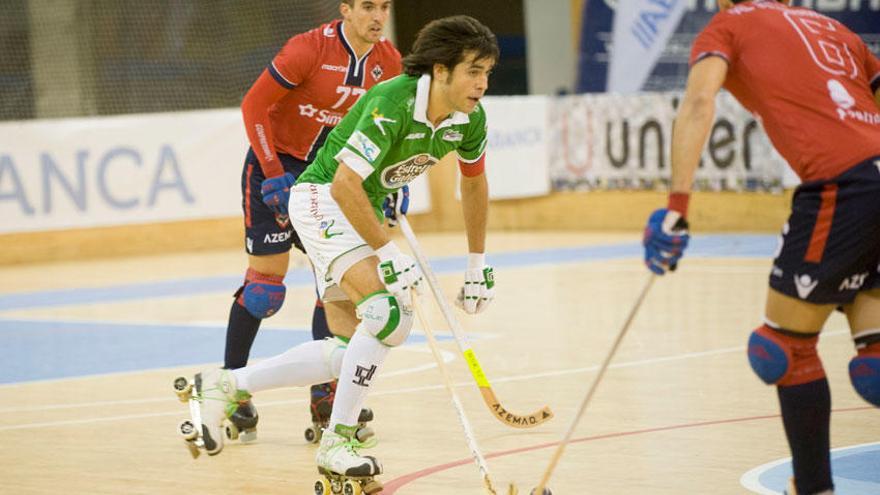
{"x":398,"y":272}
{"x":479,"y":285}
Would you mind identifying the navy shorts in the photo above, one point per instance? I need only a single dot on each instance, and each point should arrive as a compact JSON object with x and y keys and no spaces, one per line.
{"x":830,"y":246}
{"x":266,"y":232}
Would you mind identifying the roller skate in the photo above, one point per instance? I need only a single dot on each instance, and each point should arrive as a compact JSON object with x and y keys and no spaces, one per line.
{"x":791,"y":489}
{"x":322,"y":406}
{"x":343,"y":470}
{"x":213,"y":398}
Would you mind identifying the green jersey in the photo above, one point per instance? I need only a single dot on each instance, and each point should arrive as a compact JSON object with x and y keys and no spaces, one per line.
{"x":387,"y":139}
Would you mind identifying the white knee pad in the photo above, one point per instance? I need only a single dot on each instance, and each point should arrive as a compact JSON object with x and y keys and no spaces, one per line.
{"x":386,"y":319}
{"x":334,"y":351}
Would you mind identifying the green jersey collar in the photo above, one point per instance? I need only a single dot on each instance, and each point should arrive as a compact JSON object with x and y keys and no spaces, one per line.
{"x":420,"y":111}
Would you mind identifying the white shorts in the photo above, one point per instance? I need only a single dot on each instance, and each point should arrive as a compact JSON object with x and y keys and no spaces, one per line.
{"x":332,"y":244}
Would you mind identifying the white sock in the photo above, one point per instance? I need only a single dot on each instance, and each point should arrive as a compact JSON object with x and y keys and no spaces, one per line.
{"x":313,"y":362}
{"x":360,"y":364}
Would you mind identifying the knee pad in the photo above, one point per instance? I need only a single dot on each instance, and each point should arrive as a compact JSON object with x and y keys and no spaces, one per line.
{"x":385,"y":318}
{"x":864,"y":372}
{"x":262,"y":295}
{"x":784,"y":358}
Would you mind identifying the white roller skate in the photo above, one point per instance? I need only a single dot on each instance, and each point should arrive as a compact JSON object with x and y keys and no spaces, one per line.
{"x":343,"y":470}
{"x":213,"y":398}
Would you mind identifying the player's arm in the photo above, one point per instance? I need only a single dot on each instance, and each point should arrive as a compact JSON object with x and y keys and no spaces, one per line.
{"x":475,"y":207}
{"x":694,"y":120}
{"x":264,"y":93}
{"x":348,"y":191}
{"x":666,"y":235}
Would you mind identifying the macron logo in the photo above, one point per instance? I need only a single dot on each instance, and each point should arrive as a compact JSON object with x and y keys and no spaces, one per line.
{"x":804,"y":285}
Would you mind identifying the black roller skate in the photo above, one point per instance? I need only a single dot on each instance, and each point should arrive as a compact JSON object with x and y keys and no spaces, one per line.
{"x":322,"y":406}
{"x":242,"y":424}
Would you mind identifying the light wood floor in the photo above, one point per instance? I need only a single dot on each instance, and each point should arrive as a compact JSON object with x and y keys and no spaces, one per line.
{"x":678,"y":412}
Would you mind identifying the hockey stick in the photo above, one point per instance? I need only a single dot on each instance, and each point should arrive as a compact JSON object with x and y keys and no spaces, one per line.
{"x":465,"y":424}
{"x":559,"y":449}
{"x":501,"y":413}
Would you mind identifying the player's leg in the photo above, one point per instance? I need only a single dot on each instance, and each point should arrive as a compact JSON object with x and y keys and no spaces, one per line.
{"x":384,"y":324}
{"x":342,"y":318}
{"x":783,"y":352}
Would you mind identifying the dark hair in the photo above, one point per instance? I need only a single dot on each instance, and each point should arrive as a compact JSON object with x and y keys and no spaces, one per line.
{"x":445,"y":41}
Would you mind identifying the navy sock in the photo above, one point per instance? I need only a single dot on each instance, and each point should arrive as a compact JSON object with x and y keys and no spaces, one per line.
{"x":240,"y":335}
{"x":320,"y":329}
{"x":806,"y":414}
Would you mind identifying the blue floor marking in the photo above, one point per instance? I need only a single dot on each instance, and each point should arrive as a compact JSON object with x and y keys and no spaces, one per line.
{"x":41,"y":350}
{"x":36,"y":350}
{"x":856,"y":471}
{"x":710,"y":246}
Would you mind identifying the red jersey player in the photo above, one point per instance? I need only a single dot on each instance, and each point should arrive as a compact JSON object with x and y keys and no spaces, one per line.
{"x":816,"y":88}
{"x":288,"y":113}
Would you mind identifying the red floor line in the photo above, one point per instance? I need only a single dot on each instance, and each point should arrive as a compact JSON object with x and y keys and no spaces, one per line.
{"x":392,"y":486}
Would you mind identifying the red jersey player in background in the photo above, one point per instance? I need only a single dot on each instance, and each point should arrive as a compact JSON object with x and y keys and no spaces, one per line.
{"x":816,"y":88}
{"x":288,"y":113}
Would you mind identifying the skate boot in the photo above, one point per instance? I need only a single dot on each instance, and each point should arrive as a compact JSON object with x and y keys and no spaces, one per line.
{"x":343,"y":470}
{"x":213,"y":398}
{"x":792,"y":490}
{"x":321,"y":407}
{"x":243,"y":423}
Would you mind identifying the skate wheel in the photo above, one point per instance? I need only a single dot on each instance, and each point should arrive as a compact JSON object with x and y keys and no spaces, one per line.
{"x":193,"y":449}
{"x":364,"y":433}
{"x":312,"y":434}
{"x":232,"y":431}
{"x":372,"y":486}
{"x":187,"y":430}
{"x":248,"y":436}
{"x":322,"y":487}
{"x":183,"y":388}
{"x":351,"y":488}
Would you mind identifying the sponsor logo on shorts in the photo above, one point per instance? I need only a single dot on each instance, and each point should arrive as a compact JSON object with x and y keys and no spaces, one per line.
{"x":249,"y":243}
{"x":804,"y":285}
{"x":364,"y":145}
{"x":276,"y":237}
{"x":452,"y":135}
{"x":395,"y":176}
{"x":853,"y":282}
{"x":325,"y":230}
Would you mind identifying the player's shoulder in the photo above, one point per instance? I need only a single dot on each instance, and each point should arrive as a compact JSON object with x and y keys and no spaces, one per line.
{"x":398,"y":92}
{"x":386,"y":49}
{"x":317,"y":36}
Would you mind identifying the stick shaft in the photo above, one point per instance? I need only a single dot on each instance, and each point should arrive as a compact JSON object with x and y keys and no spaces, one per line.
{"x":557,"y":454}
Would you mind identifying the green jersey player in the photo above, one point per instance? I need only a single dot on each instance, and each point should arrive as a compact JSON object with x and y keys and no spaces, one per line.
{"x":395,"y":131}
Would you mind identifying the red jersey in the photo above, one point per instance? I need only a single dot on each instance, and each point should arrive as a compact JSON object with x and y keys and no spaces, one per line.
{"x":318,"y":79}
{"x":806,"y":77}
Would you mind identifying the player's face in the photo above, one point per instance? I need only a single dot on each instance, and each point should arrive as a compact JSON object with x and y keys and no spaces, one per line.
{"x":367,"y":18}
{"x":468,"y":82}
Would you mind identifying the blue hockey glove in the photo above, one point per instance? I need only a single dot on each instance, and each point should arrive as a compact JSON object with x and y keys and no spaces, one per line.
{"x":665,"y":239}
{"x":396,"y":203}
{"x":276,"y":192}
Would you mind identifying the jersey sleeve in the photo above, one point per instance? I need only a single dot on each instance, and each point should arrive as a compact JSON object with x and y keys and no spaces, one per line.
{"x":293,"y":64}
{"x":872,"y":69}
{"x":373,"y":136}
{"x":473,"y":145}
{"x":715,"y":40}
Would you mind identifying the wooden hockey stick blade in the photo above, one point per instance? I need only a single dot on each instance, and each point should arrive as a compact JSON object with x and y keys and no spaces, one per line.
{"x":514,"y":420}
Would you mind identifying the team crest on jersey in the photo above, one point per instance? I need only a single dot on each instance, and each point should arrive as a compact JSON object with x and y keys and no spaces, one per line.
{"x":401,"y":173}
{"x":377,"y":72}
{"x":452,"y":135}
